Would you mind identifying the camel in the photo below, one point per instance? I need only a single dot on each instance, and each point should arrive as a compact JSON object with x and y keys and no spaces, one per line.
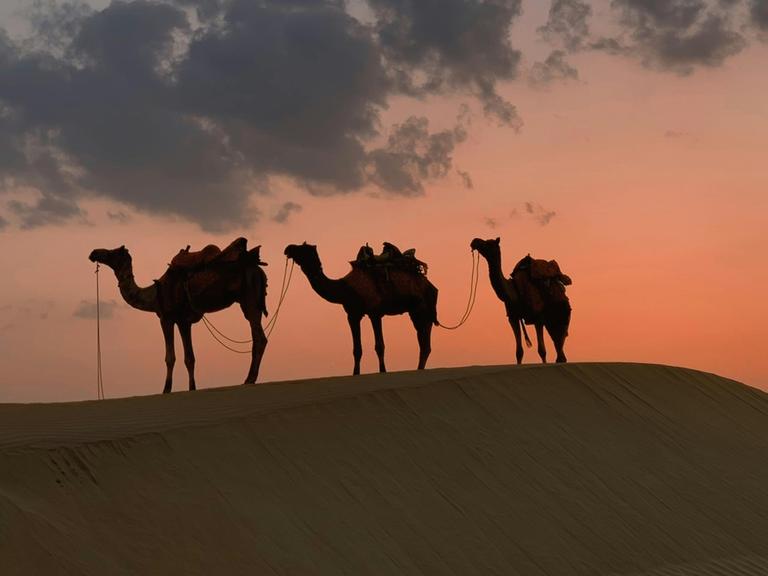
{"x":362,"y":293}
{"x":556,"y":315}
{"x":196,"y":284}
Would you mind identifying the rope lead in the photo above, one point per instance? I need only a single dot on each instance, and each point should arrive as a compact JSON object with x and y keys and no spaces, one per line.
{"x":472,"y":292}
{"x":268,"y":327}
{"x":99,"y":375}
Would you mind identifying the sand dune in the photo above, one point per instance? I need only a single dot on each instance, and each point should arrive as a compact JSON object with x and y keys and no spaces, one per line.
{"x":621,"y":469}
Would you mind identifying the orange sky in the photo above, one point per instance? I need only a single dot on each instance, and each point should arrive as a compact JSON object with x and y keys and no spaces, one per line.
{"x":658,"y":183}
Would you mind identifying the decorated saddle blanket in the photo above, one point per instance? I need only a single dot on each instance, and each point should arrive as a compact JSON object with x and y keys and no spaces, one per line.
{"x":391,"y":257}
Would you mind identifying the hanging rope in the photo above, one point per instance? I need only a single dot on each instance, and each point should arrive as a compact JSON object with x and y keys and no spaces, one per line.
{"x":268,"y":327}
{"x":227,"y":346}
{"x":99,"y":376}
{"x":472,"y":292}
{"x":210,"y":326}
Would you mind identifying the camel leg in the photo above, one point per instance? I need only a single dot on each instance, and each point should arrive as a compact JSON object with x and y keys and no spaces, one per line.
{"x":540,"y":343}
{"x":257,"y":350}
{"x":423,"y":325}
{"x":515,"y":323}
{"x":170,"y":354}
{"x":558,"y":334}
{"x":185,"y":330}
{"x":357,"y":346}
{"x":378,"y":336}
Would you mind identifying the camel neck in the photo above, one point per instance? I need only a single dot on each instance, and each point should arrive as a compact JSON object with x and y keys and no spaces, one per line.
{"x":141,"y":298}
{"x":327,"y":288}
{"x":499,"y":283}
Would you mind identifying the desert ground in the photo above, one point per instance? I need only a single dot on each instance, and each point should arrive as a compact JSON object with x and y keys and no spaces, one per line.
{"x":533,"y":470}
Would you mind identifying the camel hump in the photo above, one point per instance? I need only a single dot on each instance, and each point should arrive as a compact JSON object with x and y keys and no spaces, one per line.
{"x":211,"y":254}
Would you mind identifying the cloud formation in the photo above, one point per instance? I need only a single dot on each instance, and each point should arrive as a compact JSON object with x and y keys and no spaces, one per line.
{"x":413,"y":154}
{"x":466,"y":179}
{"x":554,"y":69}
{"x":679,"y":34}
{"x":285,"y":211}
{"x":460,"y":44}
{"x":119,"y":216}
{"x":567,"y":24}
{"x":87,"y":309}
{"x":758,"y":11}
{"x":669,"y":35}
{"x":188,"y":107}
{"x":537,"y":212}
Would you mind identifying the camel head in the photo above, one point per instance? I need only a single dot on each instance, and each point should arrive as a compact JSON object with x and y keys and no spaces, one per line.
{"x":487,"y":248}
{"x":305,"y":255}
{"x":115,"y":259}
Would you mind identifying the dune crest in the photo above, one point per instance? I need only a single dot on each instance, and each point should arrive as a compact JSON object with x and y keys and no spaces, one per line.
{"x":621,"y":469}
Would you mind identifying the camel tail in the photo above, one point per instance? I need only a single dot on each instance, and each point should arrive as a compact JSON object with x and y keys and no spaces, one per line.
{"x":434,"y":307}
{"x":525,"y":334}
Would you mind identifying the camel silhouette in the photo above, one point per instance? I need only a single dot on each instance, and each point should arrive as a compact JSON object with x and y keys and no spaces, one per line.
{"x":555,"y":315}
{"x":196,"y":284}
{"x":368,"y":293}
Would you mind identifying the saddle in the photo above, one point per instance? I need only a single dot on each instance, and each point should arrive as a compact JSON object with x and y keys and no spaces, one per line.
{"x":542,"y":271}
{"x":186,"y":261}
{"x":539,"y":282}
{"x":390,"y":258}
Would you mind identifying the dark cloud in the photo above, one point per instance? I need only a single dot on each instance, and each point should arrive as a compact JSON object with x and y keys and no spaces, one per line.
{"x":87,"y":309}
{"x":296,"y":86}
{"x":457,"y":44}
{"x":758,"y":10}
{"x":119,"y":216}
{"x":285,"y":211}
{"x":672,"y":35}
{"x":567,"y":24}
{"x":535,"y":211}
{"x":539,"y":213}
{"x":555,"y":68}
{"x":492,"y":223}
{"x":678,"y":35}
{"x":672,"y":134}
{"x":55,"y":24}
{"x":104,"y":120}
{"x":136,"y":104}
{"x":3,"y":223}
{"x":466,"y":179}
{"x":412,"y":155}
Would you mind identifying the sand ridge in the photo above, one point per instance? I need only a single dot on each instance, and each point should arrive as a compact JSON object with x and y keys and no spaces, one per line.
{"x":624,"y":469}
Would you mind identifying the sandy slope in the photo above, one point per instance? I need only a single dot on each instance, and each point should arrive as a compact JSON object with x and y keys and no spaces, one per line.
{"x":533,"y":470}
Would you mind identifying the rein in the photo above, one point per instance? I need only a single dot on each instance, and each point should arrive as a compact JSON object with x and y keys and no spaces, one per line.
{"x":474,"y":275}
{"x":219,"y":336}
{"x":270,"y":325}
{"x":99,"y":376}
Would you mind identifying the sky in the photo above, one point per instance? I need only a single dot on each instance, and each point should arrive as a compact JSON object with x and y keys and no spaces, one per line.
{"x":623,"y":138}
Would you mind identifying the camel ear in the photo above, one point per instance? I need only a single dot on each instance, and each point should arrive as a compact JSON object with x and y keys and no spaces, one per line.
{"x":304,"y":243}
{"x":122,"y":247}
{"x":498,"y":240}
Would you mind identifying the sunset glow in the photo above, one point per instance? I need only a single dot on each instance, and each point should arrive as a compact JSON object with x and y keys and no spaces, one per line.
{"x":645,"y":181}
